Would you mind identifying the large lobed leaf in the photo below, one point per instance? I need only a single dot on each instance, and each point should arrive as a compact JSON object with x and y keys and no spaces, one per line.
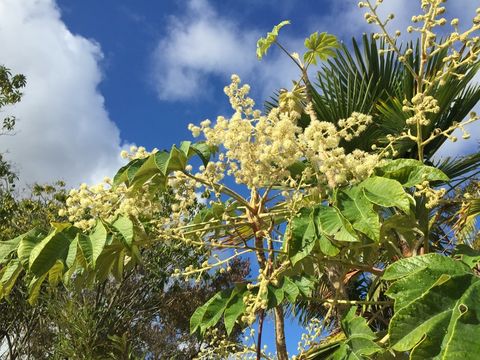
{"x":230,"y":303}
{"x":263,"y":44}
{"x":159,"y":165}
{"x":58,"y":255}
{"x":410,"y":172}
{"x":321,"y":46}
{"x":437,"y":308}
{"x":359,"y":342}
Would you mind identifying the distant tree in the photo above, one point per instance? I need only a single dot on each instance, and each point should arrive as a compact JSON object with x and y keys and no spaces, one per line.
{"x":10,"y":93}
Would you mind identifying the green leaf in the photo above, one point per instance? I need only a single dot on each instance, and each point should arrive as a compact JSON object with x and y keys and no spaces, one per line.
{"x":263,"y":44}
{"x":290,"y":289}
{"x":105,"y":263}
{"x":125,"y":227}
{"x":304,"y":284}
{"x":303,"y":236}
{"x":235,"y":307}
{"x":327,"y":247}
{"x":406,"y":225}
{"x":331,"y":223}
{"x":118,"y":264}
{"x":386,"y":192}
{"x":275,"y":296}
{"x":126,"y":173}
{"x":176,"y":160}
{"x":9,"y":246}
{"x":321,"y":46}
{"x":410,"y":172}
{"x":296,"y":169}
{"x":9,"y":277}
{"x":34,"y":288}
{"x":468,"y":255}
{"x":147,"y":170}
{"x":437,"y":307}
{"x":52,"y":248}
{"x":27,"y":242}
{"x":56,"y":273}
{"x":208,"y":314}
{"x":357,"y":209}
{"x":203,"y":150}
{"x":86,"y":247}
{"x":215,"y":310}
{"x":98,"y":238}
{"x":72,"y":253}
{"x":121,"y":175}
{"x":359,"y":342}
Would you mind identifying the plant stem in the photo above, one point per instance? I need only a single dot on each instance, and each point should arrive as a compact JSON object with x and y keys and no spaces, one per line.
{"x":259,"y":335}
{"x":280,"y":334}
{"x":350,"y":302}
{"x":223,"y":189}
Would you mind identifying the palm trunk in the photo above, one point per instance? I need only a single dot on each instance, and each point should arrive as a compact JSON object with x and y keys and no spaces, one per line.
{"x":280,"y":334}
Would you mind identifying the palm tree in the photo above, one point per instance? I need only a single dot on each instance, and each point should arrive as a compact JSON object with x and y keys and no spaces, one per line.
{"x":367,"y":79}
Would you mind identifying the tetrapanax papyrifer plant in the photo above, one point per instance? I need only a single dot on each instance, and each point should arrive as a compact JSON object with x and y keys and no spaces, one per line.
{"x":345,"y":237}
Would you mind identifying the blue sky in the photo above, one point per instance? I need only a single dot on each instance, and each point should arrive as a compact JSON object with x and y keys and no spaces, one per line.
{"x":106,"y":74}
{"x":129,"y":33}
{"x":103,"y":75}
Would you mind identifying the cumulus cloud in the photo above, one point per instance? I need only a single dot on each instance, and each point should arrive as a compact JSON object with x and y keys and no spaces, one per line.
{"x":201,"y":43}
{"x":64,"y":131}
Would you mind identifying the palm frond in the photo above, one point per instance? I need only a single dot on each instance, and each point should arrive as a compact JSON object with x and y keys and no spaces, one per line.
{"x":456,"y":167}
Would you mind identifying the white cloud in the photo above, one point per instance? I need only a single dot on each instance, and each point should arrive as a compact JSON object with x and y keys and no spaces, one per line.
{"x":198,"y":44}
{"x":64,"y":131}
{"x":201,"y":43}
{"x":348,"y":13}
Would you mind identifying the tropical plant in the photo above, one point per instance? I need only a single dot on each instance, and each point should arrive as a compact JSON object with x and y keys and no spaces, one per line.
{"x":338,"y":200}
{"x":144,"y":311}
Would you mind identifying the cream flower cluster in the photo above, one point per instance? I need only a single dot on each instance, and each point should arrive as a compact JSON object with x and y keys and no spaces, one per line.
{"x":259,"y":149}
{"x":311,"y":336}
{"x":421,"y":105}
{"x":321,"y":146}
{"x":462,"y":46}
{"x":137,"y":153}
{"x":105,"y":201}
{"x":88,"y":203}
{"x":433,"y":196}
{"x":184,"y":200}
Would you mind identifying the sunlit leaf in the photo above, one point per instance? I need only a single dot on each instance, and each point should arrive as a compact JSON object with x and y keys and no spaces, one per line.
{"x":320,"y":46}
{"x":263,"y":44}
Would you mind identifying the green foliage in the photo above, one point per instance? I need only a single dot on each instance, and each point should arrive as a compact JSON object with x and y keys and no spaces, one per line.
{"x":360,"y":339}
{"x":10,"y":93}
{"x":211,"y":312}
{"x":231,"y":303}
{"x":410,"y":172}
{"x":263,"y":44}
{"x":387,"y":193}
{"x":359,"y":210}
{"x":321,"y":46}
{"x":354,"y":239}
{"x":468,"y":255}
{"x":436,"y":307}
{"x":364,"y":78}
{"x":159,"y":165}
